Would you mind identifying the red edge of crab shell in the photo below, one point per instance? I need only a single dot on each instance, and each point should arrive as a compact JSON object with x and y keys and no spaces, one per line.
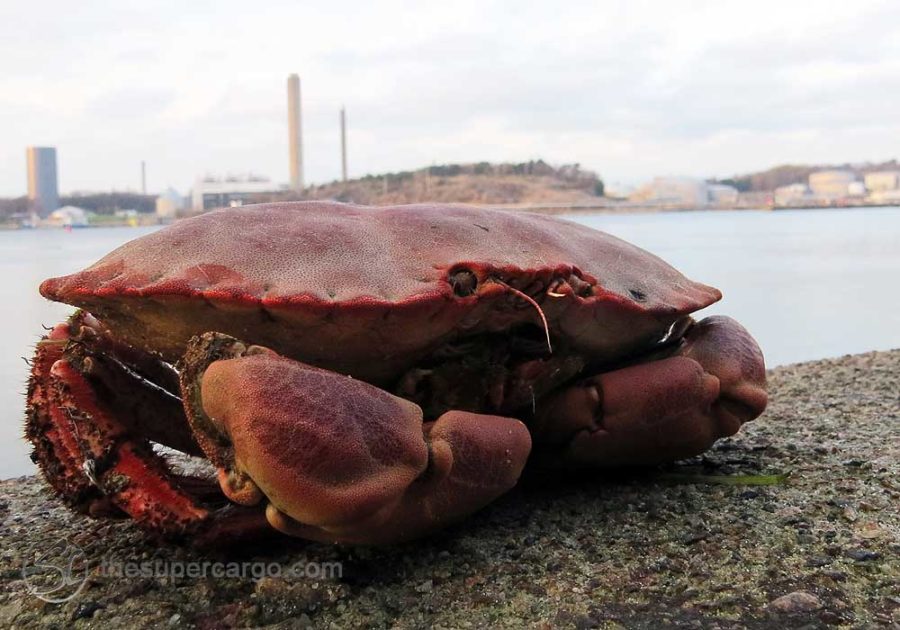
{"x":59,"y":290}
{"x":401,"y":258}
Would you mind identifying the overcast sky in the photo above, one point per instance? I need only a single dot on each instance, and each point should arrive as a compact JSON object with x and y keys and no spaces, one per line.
{"x":629,"y":89}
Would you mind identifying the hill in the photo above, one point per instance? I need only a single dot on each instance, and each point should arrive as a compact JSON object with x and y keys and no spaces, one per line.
{"x":785,"y":174}
{"x":481,"y":183}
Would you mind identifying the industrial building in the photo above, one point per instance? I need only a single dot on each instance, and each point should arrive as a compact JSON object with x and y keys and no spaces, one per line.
{"x":722,"y":194}
{"x":673,"y":190}
{"x":886,"y":196}
{"x":43,"y":188}
{"x":68,"y":217}
{"x":832,"y":184}
{"x":685,"y":191}
{"x":856,"y":189}
{"x":884,"y":186}
{"x":210,"y":192}
{"x":880,"y":181}
{"x":168,"y":204}
{"x":792,"y":194}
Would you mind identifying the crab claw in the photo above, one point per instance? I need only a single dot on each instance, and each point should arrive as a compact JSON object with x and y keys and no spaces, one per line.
{"x":664,"y":409}
{"x":726,"y":350}
{"x":338,"y":459}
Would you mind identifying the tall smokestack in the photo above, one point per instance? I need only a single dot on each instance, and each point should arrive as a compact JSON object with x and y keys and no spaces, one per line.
{"x":343,"y":145}
{"x":143,"y":177}
{"x":295,"y":133}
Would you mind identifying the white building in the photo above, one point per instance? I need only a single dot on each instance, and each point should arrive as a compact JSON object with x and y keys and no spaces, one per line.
{"x":882,"y":180}
{"x":831,"y":184}
{"x":210,"y":192}
{"x":722,"y":194}
{"x":886,"y":196}
{"x":792,"y":194}
{"x":856,"y":189}
{"x":685,"y":191}
{"x":67,"y":216}
{"x":168,"y":204}
{"x":618,"y":190}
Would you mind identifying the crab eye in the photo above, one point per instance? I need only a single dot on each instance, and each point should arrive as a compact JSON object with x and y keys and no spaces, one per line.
{"x":638,"y":295}
{"x":463,"y":281}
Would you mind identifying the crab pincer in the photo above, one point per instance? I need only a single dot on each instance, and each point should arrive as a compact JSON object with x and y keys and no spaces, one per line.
{"x":671,"y":407}
{"x":334,"y":458}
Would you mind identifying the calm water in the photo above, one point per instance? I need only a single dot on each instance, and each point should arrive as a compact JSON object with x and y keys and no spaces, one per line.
{"x":808,"y":284}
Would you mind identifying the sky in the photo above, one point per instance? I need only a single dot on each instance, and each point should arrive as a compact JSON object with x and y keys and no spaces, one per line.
{"x":628,"y":89}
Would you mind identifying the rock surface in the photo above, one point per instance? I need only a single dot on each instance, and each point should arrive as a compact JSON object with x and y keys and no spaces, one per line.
{"x":642,"y":549}
{"x":795,"y":602}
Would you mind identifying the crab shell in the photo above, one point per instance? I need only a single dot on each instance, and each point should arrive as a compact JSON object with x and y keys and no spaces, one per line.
{"x":369,"y":291}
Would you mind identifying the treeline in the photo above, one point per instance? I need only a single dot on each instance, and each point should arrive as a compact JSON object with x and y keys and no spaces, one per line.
{"x":13,"y":205}
{"x":534,"y":181}
{"x":535,"y":168}
{"x":99,"y":203}
{"x":109,"y":203}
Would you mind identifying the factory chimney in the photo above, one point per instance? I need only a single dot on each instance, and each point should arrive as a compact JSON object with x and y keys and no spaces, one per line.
{"x":295,"y":133}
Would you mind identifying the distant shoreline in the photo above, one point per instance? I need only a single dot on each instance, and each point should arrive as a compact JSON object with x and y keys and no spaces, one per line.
{"x":625,"y":207}
{"x":550,"y":209}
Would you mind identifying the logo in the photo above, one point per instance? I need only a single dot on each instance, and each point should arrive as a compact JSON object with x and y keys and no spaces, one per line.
{"x":57,"y":575}
{"x":60,"y":573}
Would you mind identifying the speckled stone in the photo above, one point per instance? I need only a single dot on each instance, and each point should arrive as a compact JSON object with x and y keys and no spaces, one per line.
{"x":630,"y":549}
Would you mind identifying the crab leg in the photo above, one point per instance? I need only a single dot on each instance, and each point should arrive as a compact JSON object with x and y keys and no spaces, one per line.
{"x":140,"y":390}
{"x":50,"y":431}
{"x":337,"y":459}
{"x":88,"y":456}
{"x":125,"y":469}
{"x":92,"y":411}
{"x":662,"y":410}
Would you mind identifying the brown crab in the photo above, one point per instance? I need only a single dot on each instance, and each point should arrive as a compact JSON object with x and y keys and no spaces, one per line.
{"x":370,"y":374}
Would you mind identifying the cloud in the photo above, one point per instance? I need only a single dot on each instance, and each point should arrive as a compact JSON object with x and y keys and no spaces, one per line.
{"x":631,"y":89}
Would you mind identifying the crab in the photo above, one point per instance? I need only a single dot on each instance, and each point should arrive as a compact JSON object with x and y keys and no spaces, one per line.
{"x":370,"y":375}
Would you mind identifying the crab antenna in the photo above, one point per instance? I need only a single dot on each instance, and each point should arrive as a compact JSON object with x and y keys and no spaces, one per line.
{"x":531,"y":301}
